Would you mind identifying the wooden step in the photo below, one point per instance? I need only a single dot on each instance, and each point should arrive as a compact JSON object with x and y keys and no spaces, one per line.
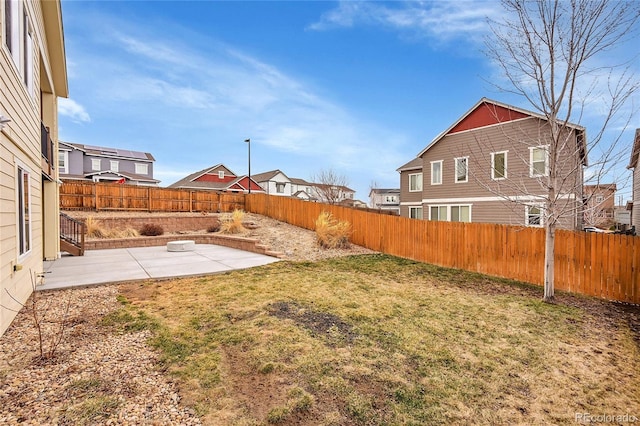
{"x":70,"y":248}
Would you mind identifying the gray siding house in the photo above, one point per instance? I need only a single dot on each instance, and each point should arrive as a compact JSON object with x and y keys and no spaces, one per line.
{"x":102,"y":164}
{"x":491,"y":166}
{"x":634,"y":164}
{"x":385,"y":199}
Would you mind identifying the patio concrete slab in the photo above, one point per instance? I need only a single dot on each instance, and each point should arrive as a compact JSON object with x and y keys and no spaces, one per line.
{"x":141,"y":263}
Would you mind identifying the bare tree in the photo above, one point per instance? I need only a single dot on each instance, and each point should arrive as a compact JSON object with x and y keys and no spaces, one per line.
{"x":329,"y":185}
{"x":550,"y":53}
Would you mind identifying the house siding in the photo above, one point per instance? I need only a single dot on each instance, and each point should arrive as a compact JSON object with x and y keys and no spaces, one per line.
{"x":635,"y":212}
{"x":20,"y":146}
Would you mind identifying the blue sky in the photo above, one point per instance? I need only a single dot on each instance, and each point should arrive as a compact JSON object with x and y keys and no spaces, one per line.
{"x":360,"y":87}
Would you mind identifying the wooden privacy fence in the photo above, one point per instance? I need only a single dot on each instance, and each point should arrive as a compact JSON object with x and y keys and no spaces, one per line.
{"x":109,"y":196}
{"x":601,"y":265}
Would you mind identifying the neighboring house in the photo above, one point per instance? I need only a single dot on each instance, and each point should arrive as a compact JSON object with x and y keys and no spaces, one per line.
{"x":333,"y":194}
{"x":33,"y":75}
{"x":599,"y":205}
{"x":411,"y":189}
{"x":217,"y":178}
{"x":274,"y":182}
{"x":634,"y":204}
{"x":489,"y":166}
{"x":385,"y":199}
{"x":302,"y":189}
{"x":102,"y":164}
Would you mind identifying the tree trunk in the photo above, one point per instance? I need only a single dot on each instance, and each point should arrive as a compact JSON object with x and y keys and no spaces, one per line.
{"x":549,"y":262}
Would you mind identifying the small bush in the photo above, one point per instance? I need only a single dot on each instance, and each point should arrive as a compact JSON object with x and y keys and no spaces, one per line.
{"x":214,"y":227}
{"x":234,"y":224}
{"x":151,"y":230}
{"x":332,"y":233}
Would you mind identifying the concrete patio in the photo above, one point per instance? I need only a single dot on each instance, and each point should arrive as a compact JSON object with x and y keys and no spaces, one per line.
{"x":140,"y":263}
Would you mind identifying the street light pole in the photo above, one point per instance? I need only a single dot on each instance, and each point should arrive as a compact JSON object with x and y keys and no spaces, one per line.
{"x":249,"y":142}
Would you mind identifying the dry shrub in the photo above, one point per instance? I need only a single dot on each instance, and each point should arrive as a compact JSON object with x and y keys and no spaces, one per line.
{"x":332,"y":233}
{"x":233,"y":225}
{"x":126,"y":233}
{"x":151,"y":230}
{"x":214,"y":227}
{"x":94,"y":228}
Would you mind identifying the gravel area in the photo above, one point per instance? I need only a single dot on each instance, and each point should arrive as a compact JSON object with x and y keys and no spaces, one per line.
{"x":99,"y":377}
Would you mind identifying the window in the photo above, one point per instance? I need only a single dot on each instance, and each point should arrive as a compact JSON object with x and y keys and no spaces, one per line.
{"x":450,"y":213}
{"x":391,"y":199}
{"x":63,"y":162}
{"x":142,"y":169}
{"x":415,"y":212}
{"x":599,"y":199}
{"x":462,"y":165}
{"x":114,"y":165}
{"x":27,"y":40}
{"x":11,"y":29}
{"x":438,"y":213}
{"x":534,"y":216}
{"x":539,"y":161}
{"x":436,"y":172}
{"x":415,"y":182}
{"x":460,"y":213}
{"x":95,"y":164}
{"x":499,"y":165}
{"x":220,"y":174}
{"x":280,"y":187}
{"x":24,"y":212}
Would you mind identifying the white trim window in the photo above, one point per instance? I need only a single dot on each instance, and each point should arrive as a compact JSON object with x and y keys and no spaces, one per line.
{"x":415,"y":182}
{"x":220,"y":174}
{"x":436,"y":172}
{"x":95,"y":164}
{"x":499,"y":165}
{"x":24,"y":212}
{"x":280,"y":186}
{"x":539,"y":161}
{"x":451,"y":213}
{"x":142,"y":168}
{"x":534,"y":215}
{"x":27,"y":40}
{"x":63,"y":162}
{"x":12,"y":29}
{"x":415,"y":212}
{"x":462,"y":169}
{"x":114,"y":166}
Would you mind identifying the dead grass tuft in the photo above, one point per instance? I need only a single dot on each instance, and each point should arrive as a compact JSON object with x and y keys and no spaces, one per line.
{"x":233,"y":224}
{"x":94,"y":228}
{"x":332,"y":233}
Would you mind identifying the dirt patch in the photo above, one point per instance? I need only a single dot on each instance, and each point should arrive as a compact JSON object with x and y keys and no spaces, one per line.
{"x":331,"y":327}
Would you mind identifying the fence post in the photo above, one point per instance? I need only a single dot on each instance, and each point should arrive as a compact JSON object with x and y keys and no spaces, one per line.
{"x":149,"y":199}
{"x":95,"y":191}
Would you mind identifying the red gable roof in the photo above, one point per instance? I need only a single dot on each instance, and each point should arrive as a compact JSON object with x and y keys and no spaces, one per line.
{"x":487,"y":114}
{"x":213,"y":177}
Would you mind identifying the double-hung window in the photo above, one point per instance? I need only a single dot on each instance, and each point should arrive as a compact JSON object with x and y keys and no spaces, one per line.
{"x":415,"y":212}
{"x":95,"y":164}
{"x":280,"y":187}
{"x":450,"y":213}
{"x":436,"y":172}
{"x":539,"y":161}
{"x":63,"y":162}
{"x":114,"y":166}
{"x":24,"y":212}
{"x":499,"y":165}
{"x":462,"y":169}
{"x":534,"y":215}
{"x":415,"y":182}
{"x":142,"y":168}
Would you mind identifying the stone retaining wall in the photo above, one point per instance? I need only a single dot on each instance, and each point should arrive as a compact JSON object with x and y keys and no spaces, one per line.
{"x":168,"y":223}
{"x":241,"y":243}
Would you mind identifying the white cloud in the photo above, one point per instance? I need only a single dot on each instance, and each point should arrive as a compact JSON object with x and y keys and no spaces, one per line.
{"x":73,"y":110}
{"x":440,"y":19}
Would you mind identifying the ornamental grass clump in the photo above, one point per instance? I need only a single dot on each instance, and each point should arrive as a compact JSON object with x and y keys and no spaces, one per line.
{"x":233,"y":225}
{"x":332,"y":233}
{"x":94,"y":228}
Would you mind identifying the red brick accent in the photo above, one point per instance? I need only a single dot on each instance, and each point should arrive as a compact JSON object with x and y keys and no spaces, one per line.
{"x":197,"y":222}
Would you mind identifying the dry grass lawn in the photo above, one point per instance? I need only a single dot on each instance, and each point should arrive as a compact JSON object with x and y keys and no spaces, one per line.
{"x":374,"y":339}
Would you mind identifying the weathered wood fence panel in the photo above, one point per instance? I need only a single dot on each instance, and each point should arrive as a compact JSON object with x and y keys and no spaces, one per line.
{"x":108,"y":196}
{"x":601,"y":265}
